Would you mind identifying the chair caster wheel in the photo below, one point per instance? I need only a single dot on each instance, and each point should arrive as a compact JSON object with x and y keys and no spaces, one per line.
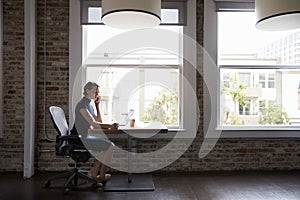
{"x":65,"y":190}
{"x":94,"y":186}
{"x":47,"y":184}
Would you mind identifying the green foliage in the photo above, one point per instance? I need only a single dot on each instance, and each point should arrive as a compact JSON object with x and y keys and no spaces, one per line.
{"x":232,"y":118}
{"x":273,"y":115}
{"x":237,"y":92}
{"x":235,"y":120}
{"x":163,"y":108}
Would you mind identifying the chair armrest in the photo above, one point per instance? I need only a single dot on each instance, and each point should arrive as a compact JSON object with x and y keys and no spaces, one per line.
{"x":67,"y":137}
{"x":64,"y":148}
{"x":71,"y":146}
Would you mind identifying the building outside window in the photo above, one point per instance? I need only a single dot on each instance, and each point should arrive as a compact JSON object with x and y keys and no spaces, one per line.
{"x":259,"y":73}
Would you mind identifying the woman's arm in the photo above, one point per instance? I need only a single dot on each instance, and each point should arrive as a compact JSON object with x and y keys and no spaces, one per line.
{"x":97,"y":102}
{"x":91,"y":120}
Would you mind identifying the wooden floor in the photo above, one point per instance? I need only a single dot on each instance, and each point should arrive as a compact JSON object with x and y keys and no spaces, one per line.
{"x":172,"y":186}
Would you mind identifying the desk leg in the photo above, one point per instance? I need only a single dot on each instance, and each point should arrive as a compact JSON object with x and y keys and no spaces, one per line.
{"x":129,"y":146}
{"x":130,"y":181}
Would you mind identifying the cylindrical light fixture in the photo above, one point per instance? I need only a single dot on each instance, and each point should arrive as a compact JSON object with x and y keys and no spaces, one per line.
{"x":277,"y":15}
{"x":131,"y":14}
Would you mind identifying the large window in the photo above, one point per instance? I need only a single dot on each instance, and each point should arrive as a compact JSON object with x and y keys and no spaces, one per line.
{"x":259,"y":74}
{"x":145,"y":80}
{"x":157,"y":83}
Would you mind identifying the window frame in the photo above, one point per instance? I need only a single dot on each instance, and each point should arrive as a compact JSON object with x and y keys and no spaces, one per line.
{"x":210,"y":45}
{"x":180,"y":5}
{"x":189,"y":106}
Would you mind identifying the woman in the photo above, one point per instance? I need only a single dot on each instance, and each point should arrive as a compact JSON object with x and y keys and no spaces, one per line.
{"x":85,"y":118}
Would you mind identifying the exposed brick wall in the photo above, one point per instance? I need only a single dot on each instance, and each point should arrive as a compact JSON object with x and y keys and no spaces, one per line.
{"x":11,"y":147}
{"x":52,"y":76}
{"x":228,"y":154}
{"x":56,"y":66}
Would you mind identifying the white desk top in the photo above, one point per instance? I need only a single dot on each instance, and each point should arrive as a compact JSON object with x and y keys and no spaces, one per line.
{"x":141,"y":128}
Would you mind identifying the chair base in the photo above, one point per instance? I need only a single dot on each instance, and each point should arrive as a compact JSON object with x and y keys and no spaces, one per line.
{"x":72,"y":178}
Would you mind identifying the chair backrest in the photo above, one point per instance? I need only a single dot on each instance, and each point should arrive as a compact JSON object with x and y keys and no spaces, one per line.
{"x":77,"y":152}
{"x":59,"y":120}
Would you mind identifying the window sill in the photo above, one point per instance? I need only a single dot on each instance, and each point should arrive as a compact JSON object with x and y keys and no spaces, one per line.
{"x":255,"y":132}
{"x":258,"y":128}
{"x":169,"y":135}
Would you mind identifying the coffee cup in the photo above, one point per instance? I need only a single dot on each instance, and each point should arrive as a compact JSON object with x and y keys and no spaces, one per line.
{"x":132,"y":122}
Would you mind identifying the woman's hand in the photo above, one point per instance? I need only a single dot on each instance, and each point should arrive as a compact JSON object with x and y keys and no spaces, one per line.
{"x":115,"y":125}
{"x":97,"y":100}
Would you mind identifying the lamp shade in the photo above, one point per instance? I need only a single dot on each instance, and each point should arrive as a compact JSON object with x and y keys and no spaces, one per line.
{"x":131,"y":14}
{"x":277,"y":15}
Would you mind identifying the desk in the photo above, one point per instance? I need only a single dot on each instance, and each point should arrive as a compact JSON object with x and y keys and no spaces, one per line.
{"x":135,"y":182}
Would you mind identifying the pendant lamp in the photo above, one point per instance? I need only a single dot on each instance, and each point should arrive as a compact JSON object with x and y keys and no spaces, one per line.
{"x":277,"y":15}
{"x":131,"y":14}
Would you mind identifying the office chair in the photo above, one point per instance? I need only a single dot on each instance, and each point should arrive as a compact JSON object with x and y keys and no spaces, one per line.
{"x":62,"y":147}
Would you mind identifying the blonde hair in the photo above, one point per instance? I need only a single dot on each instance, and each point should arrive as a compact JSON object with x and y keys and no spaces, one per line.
{"x":89,"y":86}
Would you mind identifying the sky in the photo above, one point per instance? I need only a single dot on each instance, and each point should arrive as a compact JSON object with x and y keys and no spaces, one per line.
{"x":237,"y":33}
